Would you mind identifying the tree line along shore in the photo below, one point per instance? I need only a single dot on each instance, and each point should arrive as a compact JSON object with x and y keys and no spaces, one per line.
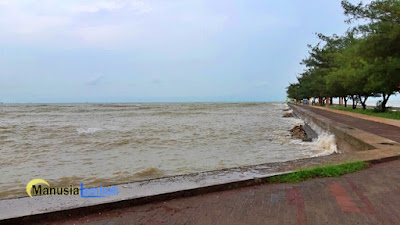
{"x":361,"y":63}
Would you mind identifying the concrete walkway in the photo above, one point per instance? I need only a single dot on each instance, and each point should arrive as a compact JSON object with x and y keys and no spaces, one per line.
{"x":381,"y":129}
{"x":371,"y":196}
{"x":362,"y":116}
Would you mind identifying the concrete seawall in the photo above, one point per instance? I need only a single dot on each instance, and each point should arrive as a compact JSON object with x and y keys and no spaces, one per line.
{"x":350,"y":139}
{"x":346,"y":137}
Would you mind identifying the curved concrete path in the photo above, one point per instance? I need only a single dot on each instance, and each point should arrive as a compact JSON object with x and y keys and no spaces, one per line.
{"x":362,"y":116}
{"x":371,"y":196}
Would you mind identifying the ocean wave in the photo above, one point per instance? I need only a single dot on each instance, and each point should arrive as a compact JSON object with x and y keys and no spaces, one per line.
{"x":114,"y":105}
{"x":150,"y":172}
{"x":325,"y":144}
{"x":175,"y":113}
{"x":250,"y":104}
{"x":120,"y":145}
{"x":87,"y":130}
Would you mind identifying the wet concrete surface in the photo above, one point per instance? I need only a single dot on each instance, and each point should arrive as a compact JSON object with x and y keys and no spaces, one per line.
{"x":371,"y":196}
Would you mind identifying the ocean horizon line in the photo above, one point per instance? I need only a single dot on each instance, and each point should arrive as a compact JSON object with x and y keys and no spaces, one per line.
{"x":141,"y":102}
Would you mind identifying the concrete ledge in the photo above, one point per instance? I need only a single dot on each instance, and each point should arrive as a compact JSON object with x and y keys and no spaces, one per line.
{"x":46,"y":214}
{"x":348,"y":139}
{"x":383,"y":160}
{"x":76,"y":212}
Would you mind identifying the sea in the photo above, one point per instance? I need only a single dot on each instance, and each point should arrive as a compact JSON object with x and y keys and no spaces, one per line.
{"x":107,"y":144}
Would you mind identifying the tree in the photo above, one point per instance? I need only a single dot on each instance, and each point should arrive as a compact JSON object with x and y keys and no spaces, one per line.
{"x":381,"y":44}
{"x":292,"y":90}
{"x":380,"y":10}
{"x":385,"y":77}
{"x":362,"y":63}
{"x":338,"y":81}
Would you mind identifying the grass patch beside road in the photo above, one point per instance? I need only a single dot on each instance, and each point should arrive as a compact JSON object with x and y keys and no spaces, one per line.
{"x":389,"y":114}
{"x":325,"y":171}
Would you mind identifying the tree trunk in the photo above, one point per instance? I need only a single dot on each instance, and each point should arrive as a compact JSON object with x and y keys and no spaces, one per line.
{"x":385,"y":100}
{"x":345,"y":99}
{"x":331,"y":101}
{"x":353,"y":97}
{"x":363,"y":102}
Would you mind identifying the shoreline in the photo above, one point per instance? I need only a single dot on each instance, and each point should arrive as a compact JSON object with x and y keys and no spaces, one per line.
{"x":360,"y":146}
{"x":142,"y":143}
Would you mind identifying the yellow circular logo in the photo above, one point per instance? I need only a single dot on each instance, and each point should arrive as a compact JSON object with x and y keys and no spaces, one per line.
{"x":34,"y":182}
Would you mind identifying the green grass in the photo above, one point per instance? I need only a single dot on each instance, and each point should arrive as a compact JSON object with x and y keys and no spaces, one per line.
{"x":325,"y":171}
{"x":389,"y":114}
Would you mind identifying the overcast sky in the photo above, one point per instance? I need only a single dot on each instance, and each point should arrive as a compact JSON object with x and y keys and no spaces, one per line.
{"x":174,"y":50}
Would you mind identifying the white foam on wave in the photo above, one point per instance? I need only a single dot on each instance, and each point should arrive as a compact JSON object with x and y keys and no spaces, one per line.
{"x":87,"y":130}
{"x":325,"y":145}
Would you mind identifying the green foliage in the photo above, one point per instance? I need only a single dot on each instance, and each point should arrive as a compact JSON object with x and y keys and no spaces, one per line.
{"x":378,"y":108}
{"x":325,"y":171}
{"x":292,"y":90}
{"x":364,"y":62}
{"x":371,"y":112}
{"x":380,"y":10}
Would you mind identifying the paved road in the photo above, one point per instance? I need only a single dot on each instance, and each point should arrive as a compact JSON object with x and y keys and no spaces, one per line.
{"x":370,"y":196}
{"x":380,"y":129}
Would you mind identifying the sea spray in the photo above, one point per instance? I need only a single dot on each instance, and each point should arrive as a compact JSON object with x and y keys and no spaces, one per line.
{"x":325,"y":144}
